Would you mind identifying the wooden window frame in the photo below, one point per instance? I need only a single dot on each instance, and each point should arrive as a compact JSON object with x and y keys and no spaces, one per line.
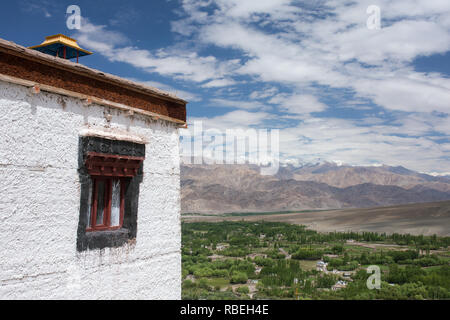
{"x":106,"y":224}
{"x":106,"y":168}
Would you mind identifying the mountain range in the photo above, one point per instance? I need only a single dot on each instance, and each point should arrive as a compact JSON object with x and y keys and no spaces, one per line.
{"x":215,"y":189}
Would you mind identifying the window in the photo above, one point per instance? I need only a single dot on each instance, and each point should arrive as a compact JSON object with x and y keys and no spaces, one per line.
{"x":109,"y":175}
{"x":110,"y":172}
{"x":108,"y":204}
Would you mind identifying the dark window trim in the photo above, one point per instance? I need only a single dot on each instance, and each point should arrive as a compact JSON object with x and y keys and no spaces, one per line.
{"x":99,"y":239}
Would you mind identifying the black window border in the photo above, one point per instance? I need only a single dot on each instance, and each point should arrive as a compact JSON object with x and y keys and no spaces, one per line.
{"x":116,"y":238}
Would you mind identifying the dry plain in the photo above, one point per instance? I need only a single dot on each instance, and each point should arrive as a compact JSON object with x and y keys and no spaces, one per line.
{"x":423,"y":218}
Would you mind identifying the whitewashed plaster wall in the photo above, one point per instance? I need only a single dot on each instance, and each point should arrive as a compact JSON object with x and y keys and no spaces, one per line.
{"x":40,"y":204}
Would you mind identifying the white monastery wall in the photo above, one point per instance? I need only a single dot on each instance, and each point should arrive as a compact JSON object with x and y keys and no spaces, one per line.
{"x":40,"y":204}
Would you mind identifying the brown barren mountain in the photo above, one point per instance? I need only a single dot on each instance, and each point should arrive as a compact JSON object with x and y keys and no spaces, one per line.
{"x":216,"y":189}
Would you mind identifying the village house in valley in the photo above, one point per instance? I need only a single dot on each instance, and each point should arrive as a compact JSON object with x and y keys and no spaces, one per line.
{"x":90,"y":170}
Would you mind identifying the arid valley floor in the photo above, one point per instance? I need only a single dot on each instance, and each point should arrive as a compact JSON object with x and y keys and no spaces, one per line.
{"x":417,"y":219}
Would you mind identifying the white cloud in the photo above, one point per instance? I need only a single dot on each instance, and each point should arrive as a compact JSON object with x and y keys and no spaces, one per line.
{"x":263,"y":94}
{"x":359,"y":145}
{"x":247,"y":105}
{"x":309,"y":49}
{"x":43,"y":7}
{"x":179,"y":64}
{"x":233,"y":120}
{"x":247,"y":8}
{"x":349,"y":141}
{"x":298,"y":104}
{"x":188,"y":96}
{"x":219,"y":83}
{"x":99,"y":38}
{"x":313,"y":50}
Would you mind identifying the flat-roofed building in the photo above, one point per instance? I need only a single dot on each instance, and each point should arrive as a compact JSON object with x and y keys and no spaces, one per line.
{"x":90,"y":192}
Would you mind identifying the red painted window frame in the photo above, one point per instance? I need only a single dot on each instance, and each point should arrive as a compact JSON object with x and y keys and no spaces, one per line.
{"x":106,"y":225}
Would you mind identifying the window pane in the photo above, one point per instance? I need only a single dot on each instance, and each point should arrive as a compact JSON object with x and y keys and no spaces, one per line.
{"x":89,"y":205}
{"x":115,"y":204}
{"x":100,"y":202}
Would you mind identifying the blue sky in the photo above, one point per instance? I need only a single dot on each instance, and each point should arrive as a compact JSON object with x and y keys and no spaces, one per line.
{"x":336,"y":90}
